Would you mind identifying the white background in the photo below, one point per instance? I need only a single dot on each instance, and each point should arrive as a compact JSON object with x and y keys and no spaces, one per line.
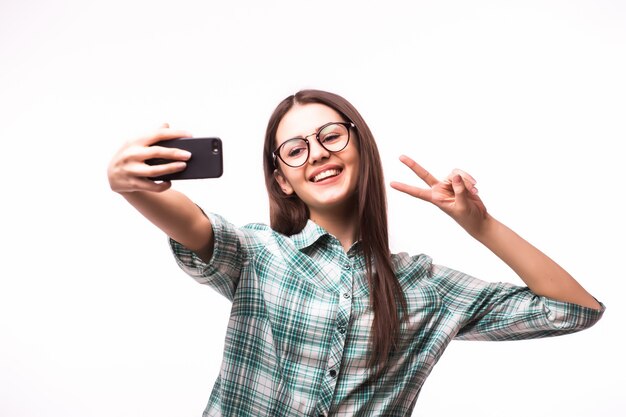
{"x":528,"y":96}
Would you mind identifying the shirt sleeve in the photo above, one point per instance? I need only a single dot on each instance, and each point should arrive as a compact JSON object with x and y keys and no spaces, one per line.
{"x":232,"y":248}
{"x":504,"y":311}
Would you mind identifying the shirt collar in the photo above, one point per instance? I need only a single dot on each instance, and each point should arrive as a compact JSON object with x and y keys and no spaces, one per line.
{"x":310,"y":234}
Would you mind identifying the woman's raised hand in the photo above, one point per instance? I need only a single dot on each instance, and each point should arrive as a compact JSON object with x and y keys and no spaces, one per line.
{"x":456,"y":196}
{"x":128,"y":171}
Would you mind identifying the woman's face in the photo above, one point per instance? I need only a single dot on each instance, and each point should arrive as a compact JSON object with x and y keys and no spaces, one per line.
{"x":328,"y":180}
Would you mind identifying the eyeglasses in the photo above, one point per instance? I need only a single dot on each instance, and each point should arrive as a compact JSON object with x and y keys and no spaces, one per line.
{"x":333,"y":137}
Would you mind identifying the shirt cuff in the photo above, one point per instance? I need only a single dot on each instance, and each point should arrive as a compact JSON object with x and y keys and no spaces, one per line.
{"x":218,"y":271}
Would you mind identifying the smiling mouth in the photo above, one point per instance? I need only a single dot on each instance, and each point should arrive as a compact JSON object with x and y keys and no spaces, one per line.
{"x":329,"y":173}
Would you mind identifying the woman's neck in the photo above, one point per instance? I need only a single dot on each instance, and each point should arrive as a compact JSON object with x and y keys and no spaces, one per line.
{"x":343,"y":224}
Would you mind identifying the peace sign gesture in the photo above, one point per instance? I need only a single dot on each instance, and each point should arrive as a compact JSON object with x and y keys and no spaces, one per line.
{"x":456,"y":196}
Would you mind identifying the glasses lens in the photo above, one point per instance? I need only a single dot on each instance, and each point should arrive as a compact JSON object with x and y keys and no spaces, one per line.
{"x":294,"y":152}
{"x":334,"y":137}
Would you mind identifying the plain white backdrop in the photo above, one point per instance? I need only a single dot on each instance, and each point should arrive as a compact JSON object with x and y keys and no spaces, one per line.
{"x":528,"y":96}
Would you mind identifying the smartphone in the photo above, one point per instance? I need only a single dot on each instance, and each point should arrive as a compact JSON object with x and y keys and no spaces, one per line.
{"x":205,"y":161}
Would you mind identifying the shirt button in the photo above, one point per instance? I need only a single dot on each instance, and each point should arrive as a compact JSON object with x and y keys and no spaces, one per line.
{"x":346,"y":266}
{"x":333,"y":373}
{"x":342,"y":330}
{"x":346,"y":295}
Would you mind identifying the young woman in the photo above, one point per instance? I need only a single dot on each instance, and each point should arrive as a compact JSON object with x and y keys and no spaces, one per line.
{"x":325,"y":320}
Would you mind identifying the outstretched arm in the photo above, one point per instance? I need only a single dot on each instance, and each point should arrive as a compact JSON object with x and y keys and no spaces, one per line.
{"x":457,"y":196}
{"x":169,"y":210}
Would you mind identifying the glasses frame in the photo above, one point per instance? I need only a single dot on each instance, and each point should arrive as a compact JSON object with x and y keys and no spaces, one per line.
{"x":276,"y":152}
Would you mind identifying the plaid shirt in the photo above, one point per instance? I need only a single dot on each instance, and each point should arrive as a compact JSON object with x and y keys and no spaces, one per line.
{"x":298,"y":337}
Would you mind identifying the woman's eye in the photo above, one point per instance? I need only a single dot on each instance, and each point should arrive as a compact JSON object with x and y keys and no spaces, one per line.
{"x":293,"y":152}
{"x":331,"y":137}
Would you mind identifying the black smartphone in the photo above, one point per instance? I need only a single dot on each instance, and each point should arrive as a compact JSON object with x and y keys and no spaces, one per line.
{"x":205,"y":161}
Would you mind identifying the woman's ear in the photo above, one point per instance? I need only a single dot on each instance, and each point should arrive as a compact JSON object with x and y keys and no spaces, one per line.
{"x":283,"y":183}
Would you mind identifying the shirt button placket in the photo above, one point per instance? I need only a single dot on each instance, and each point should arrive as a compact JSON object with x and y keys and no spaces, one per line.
{"x":342,"y":319}
{"x":344,"y":301}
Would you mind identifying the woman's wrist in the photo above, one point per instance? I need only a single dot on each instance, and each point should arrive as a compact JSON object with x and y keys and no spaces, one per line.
{"x":483,"y":229}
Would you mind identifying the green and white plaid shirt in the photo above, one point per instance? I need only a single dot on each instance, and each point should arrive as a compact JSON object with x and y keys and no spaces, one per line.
{"x":298,"y":337}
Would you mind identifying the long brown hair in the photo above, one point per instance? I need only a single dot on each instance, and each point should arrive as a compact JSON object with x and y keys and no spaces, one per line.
{"x":289,"y":214}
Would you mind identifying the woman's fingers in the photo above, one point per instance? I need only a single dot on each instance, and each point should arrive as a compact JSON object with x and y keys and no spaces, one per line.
{"x":468,"y":180}
{"x":419,"y":170}
{"x":411,"y":190}
{"x":134,"y":159}
{"x":421,"y":193}
{"x":460,"y":192}
{"x":149,"y":152}
{"x":458,"y":182}
{"x":151,"y":171}
{"x":456,"y":195}
{"x":128,"y":170}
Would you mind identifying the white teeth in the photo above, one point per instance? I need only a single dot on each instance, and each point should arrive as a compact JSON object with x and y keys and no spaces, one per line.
{"x":325,"y":174}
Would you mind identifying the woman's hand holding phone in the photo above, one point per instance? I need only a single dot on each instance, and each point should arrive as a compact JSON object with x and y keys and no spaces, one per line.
{"x":128,"y":170}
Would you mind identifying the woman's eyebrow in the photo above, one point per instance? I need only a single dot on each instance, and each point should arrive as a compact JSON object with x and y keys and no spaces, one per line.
{"x":317,"y":129}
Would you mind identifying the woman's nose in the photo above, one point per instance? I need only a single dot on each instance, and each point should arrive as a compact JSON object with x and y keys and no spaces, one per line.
{"x":317,"y":152}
